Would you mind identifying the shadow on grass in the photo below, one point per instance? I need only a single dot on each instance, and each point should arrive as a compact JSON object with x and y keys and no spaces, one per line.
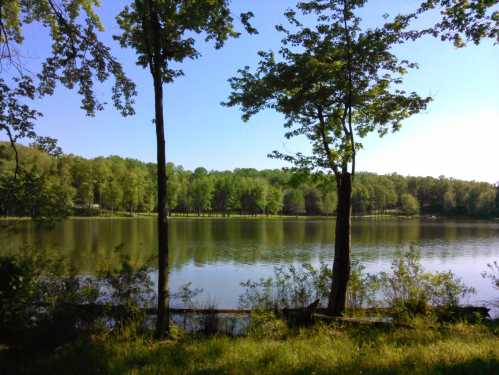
{"x":297,"y":353}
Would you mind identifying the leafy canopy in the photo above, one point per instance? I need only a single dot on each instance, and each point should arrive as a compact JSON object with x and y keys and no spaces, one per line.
{"x":175,"y":22}
{"x":463,"y":20}
{"x":334,"y":82}
{"x":77,"y":56}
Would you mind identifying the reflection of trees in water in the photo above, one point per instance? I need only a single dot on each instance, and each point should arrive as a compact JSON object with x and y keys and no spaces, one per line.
{"x":90,"y":244}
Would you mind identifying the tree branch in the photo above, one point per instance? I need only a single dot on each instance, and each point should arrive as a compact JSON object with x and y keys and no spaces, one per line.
{"x":13,"y":140}
{"x":325,"y":144}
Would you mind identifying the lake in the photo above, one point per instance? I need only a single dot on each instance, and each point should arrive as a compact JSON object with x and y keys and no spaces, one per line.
{"x":217,"y":254}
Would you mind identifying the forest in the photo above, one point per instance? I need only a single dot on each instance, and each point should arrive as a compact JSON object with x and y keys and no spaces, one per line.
{"x":79,"y":186}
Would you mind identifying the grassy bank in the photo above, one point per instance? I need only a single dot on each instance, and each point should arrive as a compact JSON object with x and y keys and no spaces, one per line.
{"x":456,"y":349}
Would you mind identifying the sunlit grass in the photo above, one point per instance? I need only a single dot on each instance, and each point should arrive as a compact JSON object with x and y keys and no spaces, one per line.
{"x":459,"y":348}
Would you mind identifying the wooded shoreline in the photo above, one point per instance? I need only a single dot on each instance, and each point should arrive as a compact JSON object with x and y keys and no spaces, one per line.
{"x":192,"y":216}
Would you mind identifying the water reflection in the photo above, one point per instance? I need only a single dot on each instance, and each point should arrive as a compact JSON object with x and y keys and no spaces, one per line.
{"x":90,"y":242}
{"x":216,"y":252}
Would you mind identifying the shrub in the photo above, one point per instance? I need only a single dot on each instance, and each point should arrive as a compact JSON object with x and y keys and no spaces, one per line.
{"x":291,"y":287}
{"x":362,"y":287}
{"x":36,"y":298}
{"x":493,"y":275}
{"x":409,"y":290}
{"x":409,"y":204}
{"x":266,"y":325}
{"x":127,"y":291}
{"x":41,"y":301}
{"x":297,"y":287}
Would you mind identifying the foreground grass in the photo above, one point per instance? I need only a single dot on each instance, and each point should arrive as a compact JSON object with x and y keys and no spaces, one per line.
{"x":456,"y":349}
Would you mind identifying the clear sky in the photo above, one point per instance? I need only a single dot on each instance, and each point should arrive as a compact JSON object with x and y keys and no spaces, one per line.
{"x":458,"y":136}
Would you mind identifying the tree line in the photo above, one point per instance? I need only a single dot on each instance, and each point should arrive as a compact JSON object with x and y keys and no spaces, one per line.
{"x":75,"y":185}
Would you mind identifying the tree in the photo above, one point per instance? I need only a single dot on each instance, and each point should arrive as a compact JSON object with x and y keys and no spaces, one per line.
{"x":224,"y":194}
{"x":77,"y":58}
{"x":112,"y":195}
{"x":16,"y":117}
{"x":161,"y":33}
{"x":334,"y":83}
{"x":313,"y":202}
{"x":294,"y":203}
{"x":184,"y":203}
{"x":35,"y":194}
{"x":274,"y":201}
{"x":330,"y":202}
{"x":101,"y":173}
{"x":85,"y":194}
{"x":482,"y":200}
{"x":382,"y":193}
{"x":172,"y":187}
{"x":449,"y":201}
{"x":201,"y":193}
{"x":409,"y":204}
{"x":253,"y":196}
{"x":361,"y":198}
{"x":83,"y":181}
{"x":131,"y":190}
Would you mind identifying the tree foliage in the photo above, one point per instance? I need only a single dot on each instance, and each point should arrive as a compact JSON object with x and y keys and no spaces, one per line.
{"x":78,"y":57}
{"x":409,"y":204}
{"x":105,"y":182}
{"x":461,"y":21}
{"x":334,"y":83}
{"x":175,"y":22}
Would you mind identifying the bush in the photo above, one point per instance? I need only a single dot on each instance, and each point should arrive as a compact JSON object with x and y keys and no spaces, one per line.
{"x":298,"y":287}
{"x":409,"y":204}
{"x":37,"y":299}
{"x":266,"y":325}
{"x":362,"y":287}
{"x":291,"y":288}
{"x":493,"y":275}
{"x":127,"y":292}
{"x":409,"y":291}
{"x":42,"y":301}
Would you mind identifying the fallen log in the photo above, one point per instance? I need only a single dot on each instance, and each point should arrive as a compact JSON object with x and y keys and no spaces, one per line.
{"x":468,"y":313}
{"x":372,"y":321}
{"x":301,"y":316}
{"x":465,"y":313}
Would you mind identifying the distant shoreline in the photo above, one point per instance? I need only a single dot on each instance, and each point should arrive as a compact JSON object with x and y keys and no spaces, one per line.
{"x":123,"y":215}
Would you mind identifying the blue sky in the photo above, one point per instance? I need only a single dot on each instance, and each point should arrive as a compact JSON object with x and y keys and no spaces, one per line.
{"x":457,"y":136}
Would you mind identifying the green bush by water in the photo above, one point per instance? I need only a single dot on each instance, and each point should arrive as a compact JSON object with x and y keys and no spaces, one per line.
{"x":406,"y":291}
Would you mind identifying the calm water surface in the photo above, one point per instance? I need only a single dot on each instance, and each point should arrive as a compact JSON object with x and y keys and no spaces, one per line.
{"x":217,"y":254}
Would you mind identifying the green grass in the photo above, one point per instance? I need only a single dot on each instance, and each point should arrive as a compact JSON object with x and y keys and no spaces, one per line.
{"x":454,"y":349}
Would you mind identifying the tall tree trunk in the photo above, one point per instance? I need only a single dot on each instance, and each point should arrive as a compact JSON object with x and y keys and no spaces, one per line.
{"x":342,"y":246}
{"x":163,"y":318}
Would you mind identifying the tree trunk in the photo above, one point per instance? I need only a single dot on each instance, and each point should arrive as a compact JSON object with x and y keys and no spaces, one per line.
{"x":163,"y":319}
{"x":342,"y":246}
